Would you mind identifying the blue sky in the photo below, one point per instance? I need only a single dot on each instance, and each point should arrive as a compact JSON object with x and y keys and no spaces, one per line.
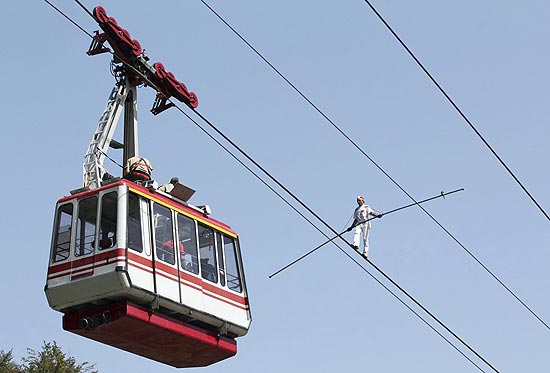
{"x":324,"y":314}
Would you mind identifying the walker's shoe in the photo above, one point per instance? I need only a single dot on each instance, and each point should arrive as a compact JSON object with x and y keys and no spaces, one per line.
{"x":365,"y":255}
{"x":355,"y":247}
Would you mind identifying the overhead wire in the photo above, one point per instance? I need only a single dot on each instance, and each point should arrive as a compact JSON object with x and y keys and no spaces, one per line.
{"x":353,"y":259}
{"x":350,"y":140}
{"x":421,"y":66}
{"x":362,"y":222}
{"x":342,"y":250}
{"x":328,"y":226}
{"x":84,"y":8}
{"x":68,"y":18}
{"x":313,"y":213}
{"x":455,"y":106}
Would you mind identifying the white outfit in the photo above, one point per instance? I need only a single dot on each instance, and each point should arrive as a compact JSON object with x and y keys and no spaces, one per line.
{"x":167,"y":188}
{"x":361,"y":214}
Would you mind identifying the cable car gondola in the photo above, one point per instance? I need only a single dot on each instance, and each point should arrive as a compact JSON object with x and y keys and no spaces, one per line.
{"x":140,"y":269}
{"x":119,"y":279}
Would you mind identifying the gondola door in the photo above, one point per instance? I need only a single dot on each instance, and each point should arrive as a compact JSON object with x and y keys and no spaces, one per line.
{"x":165,"y":260}
{"x":190,"y":282}
{"x":85,"y":238}
{"x":140,"y":257}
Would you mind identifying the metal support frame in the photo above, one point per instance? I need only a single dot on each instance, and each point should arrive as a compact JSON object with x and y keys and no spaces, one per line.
{"x":122,"y":97}
{"x":130,"y":126}
{"x":96,"y":46}
{"x":161,"y":103}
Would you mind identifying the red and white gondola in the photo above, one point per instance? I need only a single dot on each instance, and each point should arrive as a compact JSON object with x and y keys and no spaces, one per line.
{"x":117,"y":276}
{"x":134,"y":267}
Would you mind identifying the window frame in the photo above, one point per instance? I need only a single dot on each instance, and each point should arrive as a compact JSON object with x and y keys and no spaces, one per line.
{"x":70,"y":230}
{"x":139,"y":224}
{"x":81,"y":228}
{"x":221,"y":261}
{"x":236,"y":257}
{"x":194,"y":265}
{"x":204,"y":273}
{"x":102,"y":218}
{"x":158,"y":250}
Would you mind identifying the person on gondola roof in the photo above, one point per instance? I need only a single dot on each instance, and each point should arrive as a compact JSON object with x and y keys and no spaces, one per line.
{"x":138,"y":169}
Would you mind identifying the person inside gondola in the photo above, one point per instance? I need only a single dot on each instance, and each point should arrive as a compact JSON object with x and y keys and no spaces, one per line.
{"x":207,"y":270}
{"x":166,"y":251}
{"x":138,"y":169}
{"x":106,"y":241}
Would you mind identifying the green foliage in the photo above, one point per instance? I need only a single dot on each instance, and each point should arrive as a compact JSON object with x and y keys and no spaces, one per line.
{"x":49,"y":360}
{"x":6,"y":363}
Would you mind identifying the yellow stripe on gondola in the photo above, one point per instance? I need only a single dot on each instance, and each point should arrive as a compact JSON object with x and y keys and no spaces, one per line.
{"x":194,"y":217}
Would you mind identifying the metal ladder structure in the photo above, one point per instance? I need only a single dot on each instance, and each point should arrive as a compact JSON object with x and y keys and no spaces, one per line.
{"x":123,"y":96}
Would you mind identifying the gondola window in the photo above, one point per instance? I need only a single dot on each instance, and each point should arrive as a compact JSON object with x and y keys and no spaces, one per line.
{"x":164,"y":240}
{"x":232,"y":267}
{"x":62,"y":245}
{"x":107,"y":227}
{"x":135,"y":240}
{"x":85,"y":226}
{"x":188,"y":244}
{"x":207,"y":254}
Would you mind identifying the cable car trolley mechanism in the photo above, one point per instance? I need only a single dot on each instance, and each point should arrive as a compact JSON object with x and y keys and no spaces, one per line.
{"x":135,"y":267}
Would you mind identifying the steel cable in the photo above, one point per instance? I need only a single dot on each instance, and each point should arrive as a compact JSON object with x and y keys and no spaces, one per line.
{"x":326,"y":224}
{"x":348,"y":138}
{"x":455,"y":106}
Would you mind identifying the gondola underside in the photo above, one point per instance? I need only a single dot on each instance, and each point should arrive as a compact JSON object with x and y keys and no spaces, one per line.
{"x":150,"y":334}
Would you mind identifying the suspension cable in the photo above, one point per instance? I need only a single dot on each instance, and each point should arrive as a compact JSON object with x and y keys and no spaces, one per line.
{"x":358,"y":223}
{"x":354,"y":144}
{"x":455,"y":106}
{"x":328,"y":226}
{"x":313,"y":213}
{"x":69,"y":19}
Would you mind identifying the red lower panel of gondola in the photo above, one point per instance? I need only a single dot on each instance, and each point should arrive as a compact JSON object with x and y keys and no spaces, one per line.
{"x":149,"y":334}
